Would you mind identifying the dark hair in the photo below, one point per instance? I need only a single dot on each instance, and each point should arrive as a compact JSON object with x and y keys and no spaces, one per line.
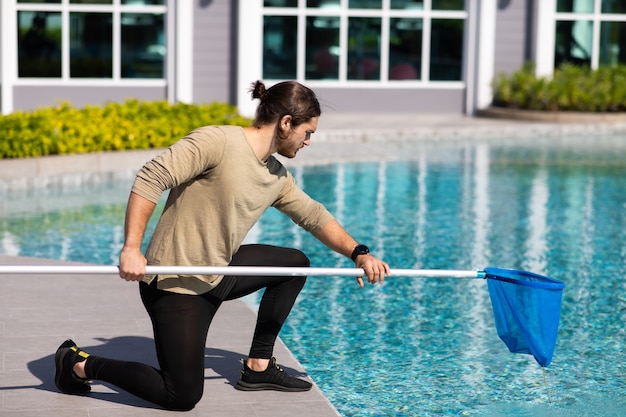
{"x":282,"y":99}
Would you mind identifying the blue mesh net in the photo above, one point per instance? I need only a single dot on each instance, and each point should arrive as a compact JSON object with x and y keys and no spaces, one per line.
{"x":526,"y":309}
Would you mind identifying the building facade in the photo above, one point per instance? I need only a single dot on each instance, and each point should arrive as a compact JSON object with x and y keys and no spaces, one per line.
{"x":367,"y":56}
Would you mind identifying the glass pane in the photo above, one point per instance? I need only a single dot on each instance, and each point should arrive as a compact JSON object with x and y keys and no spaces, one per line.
{"x":365,"y":4}
{"x":144,"y":2}
{"x":446,"y":49}
{"x":613,"y":6}
{"x":364,"y":48}
{"x":143,"y":45}
{"x":573,"y":42}
{"x":448,"y":4}
{"x":39,"y":44}
{"x":91,"y":45}
{"x":407,"y":4}
{"x":324,"y":4}
{"x":39,"y":1}
{"x":574,"y":6}
{"x":405,"y":49}
{"x":280,"y":3}
{"x":612,"y":43}
{"x":91,"y":1}
{"x":280,"y":47}
{"x":322,"y":48}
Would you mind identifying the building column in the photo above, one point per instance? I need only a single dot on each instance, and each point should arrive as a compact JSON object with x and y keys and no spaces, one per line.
{"x":180,"y":22}
{"x":485,"y":51}
{"x":249,"y":54}
{"x":544,"y":37}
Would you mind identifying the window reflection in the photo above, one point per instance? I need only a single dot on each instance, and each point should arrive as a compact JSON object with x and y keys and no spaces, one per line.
{"x":405,"y":49}
{"x":324,"y":4}
{"x":612,"y":36}
{"x":279,"y":47}
{"x":573,"y":42}
{"x":407,"y":4}
{"x":144,"y":2}
{"x":365,"y":4}
{"x":143,"y":45}
{"x":364,"y":48}
{"x":322,"y":48}
{"x":613,"y":6}
{"x":574,"y":6}
{"x":39,"y":46}
{"x":91,"y":45}
{"x":448,"y":5}
{"x":446,"y":50}
{"x":91,"y":1}
{"x":280,"y":3}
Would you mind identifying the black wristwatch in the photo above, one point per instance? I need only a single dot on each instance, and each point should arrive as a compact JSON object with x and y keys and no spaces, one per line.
{"x":359,"y":250}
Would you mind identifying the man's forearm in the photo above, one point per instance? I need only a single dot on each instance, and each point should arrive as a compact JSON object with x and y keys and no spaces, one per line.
{"x":336,"y":238}
{"x":138,"y":214}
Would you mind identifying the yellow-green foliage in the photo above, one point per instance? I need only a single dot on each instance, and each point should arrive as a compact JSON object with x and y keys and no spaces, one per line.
{"x":572,"y":88}
{"x":133,"y":124}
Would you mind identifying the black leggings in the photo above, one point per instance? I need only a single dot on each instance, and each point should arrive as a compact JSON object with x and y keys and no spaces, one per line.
{"x":181,"y":323}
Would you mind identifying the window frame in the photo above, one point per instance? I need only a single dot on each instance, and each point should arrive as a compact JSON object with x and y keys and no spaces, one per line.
{"x":65,"y":8}
{"x":251,"y":55}
{"x":545,"y":43}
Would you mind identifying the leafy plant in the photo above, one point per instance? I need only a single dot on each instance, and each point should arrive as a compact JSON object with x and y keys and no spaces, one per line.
{"x":572,"y":88}
{"x":134,"y":124}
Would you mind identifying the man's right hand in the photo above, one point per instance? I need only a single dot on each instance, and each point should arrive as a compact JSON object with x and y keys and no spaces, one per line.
{"x":132,"y":265}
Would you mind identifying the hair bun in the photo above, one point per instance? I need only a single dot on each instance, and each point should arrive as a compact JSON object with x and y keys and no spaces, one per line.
{"x":258,"y":90}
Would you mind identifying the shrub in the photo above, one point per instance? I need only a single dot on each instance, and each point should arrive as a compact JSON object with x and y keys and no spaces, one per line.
{"x":572,"y":88}
{"x":134,"y":124}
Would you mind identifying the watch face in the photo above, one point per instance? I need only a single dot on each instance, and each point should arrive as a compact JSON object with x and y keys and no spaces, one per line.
{"x":360,"y":250}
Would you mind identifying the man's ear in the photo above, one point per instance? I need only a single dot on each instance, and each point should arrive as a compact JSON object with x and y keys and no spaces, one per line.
{"x":285,"y":122}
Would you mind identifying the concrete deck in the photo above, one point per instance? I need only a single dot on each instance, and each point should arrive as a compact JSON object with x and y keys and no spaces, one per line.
{"x":104,"y":314}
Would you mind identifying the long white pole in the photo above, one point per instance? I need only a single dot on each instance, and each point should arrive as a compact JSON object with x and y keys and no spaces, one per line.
{"x":228,"y":270}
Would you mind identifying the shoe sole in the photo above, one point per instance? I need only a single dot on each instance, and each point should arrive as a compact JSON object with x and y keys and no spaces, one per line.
{"x":244,"y":386}
{"x":78,"y":388}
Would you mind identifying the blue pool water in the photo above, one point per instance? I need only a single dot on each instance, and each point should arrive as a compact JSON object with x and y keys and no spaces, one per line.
{"x":414,"y":346}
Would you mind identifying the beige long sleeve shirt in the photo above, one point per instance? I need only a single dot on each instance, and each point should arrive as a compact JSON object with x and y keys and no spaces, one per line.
{"x":218,"y":190}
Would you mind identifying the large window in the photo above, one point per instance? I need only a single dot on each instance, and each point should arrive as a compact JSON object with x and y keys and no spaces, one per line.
{"x":364,"y":40}
{"x":590,"y":32}
{"x":112,"y":39}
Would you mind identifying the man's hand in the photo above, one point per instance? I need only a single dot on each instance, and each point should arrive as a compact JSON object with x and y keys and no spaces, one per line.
{"x":374,"y":268}
{"x":132,"y":265}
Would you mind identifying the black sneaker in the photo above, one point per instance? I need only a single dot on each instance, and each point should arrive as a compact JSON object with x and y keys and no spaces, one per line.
{"x":67,"y":355}
{"x":273,"y":378}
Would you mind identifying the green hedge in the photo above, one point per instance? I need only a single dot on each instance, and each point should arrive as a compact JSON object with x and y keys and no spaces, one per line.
{"x":133,"y":124}
{"x":572,"y":88}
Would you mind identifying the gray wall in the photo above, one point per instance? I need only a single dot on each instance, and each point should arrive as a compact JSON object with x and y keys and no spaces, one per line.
{"x":513,"y":26}
{"x":214,"y":51}
{"x":391,"y":100}
{"x":30,"y":97}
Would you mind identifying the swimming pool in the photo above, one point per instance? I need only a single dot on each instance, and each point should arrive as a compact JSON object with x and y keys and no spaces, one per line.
{"x":425,"y":347}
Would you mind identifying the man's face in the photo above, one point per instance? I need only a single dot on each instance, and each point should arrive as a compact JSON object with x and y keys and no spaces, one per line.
{"x":297,"y":138}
